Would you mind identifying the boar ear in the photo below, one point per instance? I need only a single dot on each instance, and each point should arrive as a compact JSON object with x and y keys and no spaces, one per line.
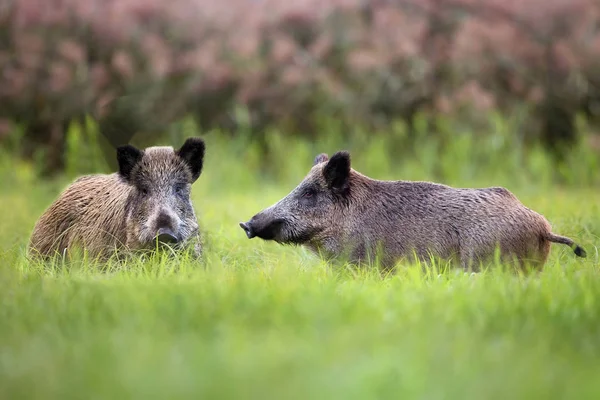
{"x":192,"y":152}
{"x":320,"y":158}
{"x":127,"y":157}
{"x":337,"y":172}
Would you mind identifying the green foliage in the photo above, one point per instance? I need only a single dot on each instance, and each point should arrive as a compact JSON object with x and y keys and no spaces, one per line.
{"x":287,"y":65}
{"x":260,"y":320}
{"x":84,"y":153}
{"x":453,"y":153}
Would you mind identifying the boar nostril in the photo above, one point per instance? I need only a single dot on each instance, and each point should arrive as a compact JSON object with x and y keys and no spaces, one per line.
{"x":248,"y":229}
{"x":167,"y":236}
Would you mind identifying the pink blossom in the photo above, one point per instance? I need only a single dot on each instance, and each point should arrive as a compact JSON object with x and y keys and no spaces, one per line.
{"x":158,"y":54}
{"x":283,"y":49}
{"x":72,"y":51}
{"x":61,"y":76}
{"x":99,"y":77}
{"x":477,"y":52}
{"x":361,"y":60}
{"x":123,"y":64}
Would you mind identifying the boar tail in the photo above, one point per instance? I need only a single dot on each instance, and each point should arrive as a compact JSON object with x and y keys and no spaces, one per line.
{"x":578,"y":250}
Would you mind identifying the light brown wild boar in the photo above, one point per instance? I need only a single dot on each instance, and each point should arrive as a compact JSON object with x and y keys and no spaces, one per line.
{"x":336,"y":211}
{"x":146,"y":203}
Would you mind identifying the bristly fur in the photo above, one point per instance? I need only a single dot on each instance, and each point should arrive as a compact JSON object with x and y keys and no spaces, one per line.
{"x":337,"y":211}
{"x":122,"y":211}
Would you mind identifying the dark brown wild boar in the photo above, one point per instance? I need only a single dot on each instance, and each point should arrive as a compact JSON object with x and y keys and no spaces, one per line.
{"x":336,"y":211}
{"x":147,"y":202}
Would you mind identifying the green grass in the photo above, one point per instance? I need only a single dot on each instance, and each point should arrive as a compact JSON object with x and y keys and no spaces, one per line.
{"x":259,"y":320}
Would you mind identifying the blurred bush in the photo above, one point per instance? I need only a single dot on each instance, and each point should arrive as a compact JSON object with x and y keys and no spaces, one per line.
{"x":137,"y":66}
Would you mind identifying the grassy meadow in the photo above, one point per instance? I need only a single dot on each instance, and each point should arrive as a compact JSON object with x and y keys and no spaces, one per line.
{"x":260,"y":320}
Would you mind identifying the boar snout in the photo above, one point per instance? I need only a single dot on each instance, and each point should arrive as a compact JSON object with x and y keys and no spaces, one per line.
{"x":166,"y":236}
{"x":263,"y":227}
{"x":166,"y":229}
{"x":247,"y":227}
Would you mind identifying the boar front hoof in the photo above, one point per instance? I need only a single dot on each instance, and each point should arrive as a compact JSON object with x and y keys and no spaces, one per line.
{"x":248,"y":229}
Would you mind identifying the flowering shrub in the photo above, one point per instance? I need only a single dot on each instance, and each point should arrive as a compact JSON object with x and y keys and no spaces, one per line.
{"x":138,"y":65}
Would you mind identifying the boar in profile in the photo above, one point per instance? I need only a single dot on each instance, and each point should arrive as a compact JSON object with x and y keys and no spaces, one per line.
{"x":145,"y":204}
{"x":337,"y":211}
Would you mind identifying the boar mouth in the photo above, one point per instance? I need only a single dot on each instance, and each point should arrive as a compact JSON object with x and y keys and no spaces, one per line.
{"x":164,"y":238}
{"x":281,"y":233}
{"x":279,"y":230}
{"x":266,"y":231}
{"x":300,"y":237}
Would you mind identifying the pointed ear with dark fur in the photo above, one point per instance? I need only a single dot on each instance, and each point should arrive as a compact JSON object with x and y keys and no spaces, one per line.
{"x":192,"y":152}
{"x":320,"y":158}
{"x":128,"y":156}
{"x":337,"y":172}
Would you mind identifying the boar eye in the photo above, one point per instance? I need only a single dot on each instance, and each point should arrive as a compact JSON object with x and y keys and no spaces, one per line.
{"x":308,"y":193}
{"x":144,"y":192}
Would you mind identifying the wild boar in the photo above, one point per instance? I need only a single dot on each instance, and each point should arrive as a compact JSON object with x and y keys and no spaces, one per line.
{"x":145,"y":204}
{"x":336,"y":211}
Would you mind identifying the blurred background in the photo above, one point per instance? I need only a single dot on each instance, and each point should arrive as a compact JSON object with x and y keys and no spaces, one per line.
{"x":492,"y":85}
{"x":470,"y":93}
